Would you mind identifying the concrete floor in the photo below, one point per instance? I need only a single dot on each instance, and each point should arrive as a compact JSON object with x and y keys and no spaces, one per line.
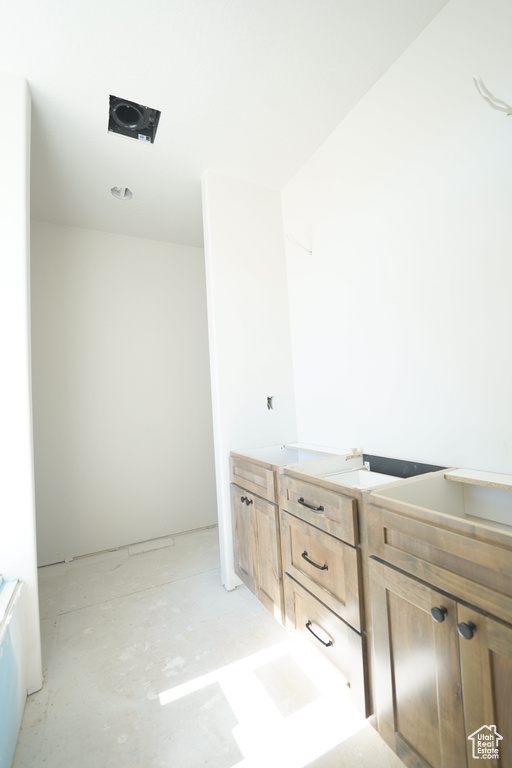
{"x":149,"y":661}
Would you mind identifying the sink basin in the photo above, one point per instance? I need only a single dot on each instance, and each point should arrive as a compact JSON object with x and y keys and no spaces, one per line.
{"x":479,"y":497}
{"x":361,"y":478}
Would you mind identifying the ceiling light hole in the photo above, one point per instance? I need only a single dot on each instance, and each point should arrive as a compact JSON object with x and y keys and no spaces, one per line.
{"x":122,"y":193}
{"x":128,"y":116}
{"x":131,"y":119}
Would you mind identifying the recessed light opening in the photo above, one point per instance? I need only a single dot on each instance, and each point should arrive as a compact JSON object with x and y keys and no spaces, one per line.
{"x":128,"y":116}
{"x":131,"y":119}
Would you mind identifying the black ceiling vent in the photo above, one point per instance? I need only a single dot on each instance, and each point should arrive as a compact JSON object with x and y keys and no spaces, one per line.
{"x":132,"y":119}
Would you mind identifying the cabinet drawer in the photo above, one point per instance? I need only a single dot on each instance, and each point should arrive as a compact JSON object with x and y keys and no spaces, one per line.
{"x":339,"y":643}
{"x":455,"y":561}
{"x":255,"y":477}
{"x":329,"y":510}
{"x":326,"y":566}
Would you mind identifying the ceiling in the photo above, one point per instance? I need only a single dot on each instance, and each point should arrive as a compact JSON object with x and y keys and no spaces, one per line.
{"x":249,"y":88}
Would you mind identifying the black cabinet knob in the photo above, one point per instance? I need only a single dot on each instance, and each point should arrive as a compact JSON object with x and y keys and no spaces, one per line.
{"x":466,"y":630}
{"x":438,"y":614}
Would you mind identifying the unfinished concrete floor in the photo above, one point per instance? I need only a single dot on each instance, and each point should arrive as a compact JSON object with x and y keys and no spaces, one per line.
{"x":149,"y":661}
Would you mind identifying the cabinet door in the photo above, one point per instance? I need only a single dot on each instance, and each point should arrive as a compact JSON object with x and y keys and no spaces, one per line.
{"x":257,"y":548}
{"x":417,"y":684}
{"x":244,"y":540}
{"x":268,"y":573}
{"x":486,"y":662}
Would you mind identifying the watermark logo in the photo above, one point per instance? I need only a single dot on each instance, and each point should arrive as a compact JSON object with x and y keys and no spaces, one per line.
{"x":486,"y":743}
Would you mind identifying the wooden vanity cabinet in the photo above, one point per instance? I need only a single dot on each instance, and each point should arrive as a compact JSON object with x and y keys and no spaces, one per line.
{"x":244,"y":535}
{"x":326,"y":566}
{"x":433,"y":688}
{"x":321,"y":504}
{"x":441,"y":608}
{"x":254,"y":476}
{"x":322,"y":574}
{"x":339,"y":643}
{"x":416,"y":675}
{"x":486,"y":664}
{"x":256,"y":535}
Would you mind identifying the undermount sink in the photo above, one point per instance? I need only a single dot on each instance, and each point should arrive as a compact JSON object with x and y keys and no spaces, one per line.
{"x":361,"y":478}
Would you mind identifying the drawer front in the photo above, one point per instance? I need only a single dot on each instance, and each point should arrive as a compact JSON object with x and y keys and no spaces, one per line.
{"x":470,"y":568}
{"x":327,"y":567}
{"x":339,"y":643}
{"x":333,"y":512}
{"x":254,"y":477}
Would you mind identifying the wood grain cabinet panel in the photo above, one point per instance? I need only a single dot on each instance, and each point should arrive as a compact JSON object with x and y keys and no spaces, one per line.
{"x":476,"y":569}
{"x":254,"y":477}
{"x":257,"y":547}
{"x":336,"y":640}
{"x":443,"y":673}
{"x":486,"y":663}
{"x":417,"y":683}
{"x":329,"y":510}
{"x":326,"y":566}
{"x":322,"y":575}
{"x":244,"y":539}
{"x":268,"y":573}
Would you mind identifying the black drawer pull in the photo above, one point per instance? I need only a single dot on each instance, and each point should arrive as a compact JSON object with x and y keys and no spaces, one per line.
{"x":310,"y":506}
{"x":320,"y":567}
{"x":246,"y":499}
{"x":308,"y":627}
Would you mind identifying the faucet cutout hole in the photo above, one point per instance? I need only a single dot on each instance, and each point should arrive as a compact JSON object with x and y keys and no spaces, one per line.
{"x":270,"y":403}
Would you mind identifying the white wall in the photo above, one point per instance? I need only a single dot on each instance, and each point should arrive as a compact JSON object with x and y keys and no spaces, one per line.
{"x":401,"y":319}
{"x":17,"y":520}
{"x":122,"y":411}
{"x":248,"y":321}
